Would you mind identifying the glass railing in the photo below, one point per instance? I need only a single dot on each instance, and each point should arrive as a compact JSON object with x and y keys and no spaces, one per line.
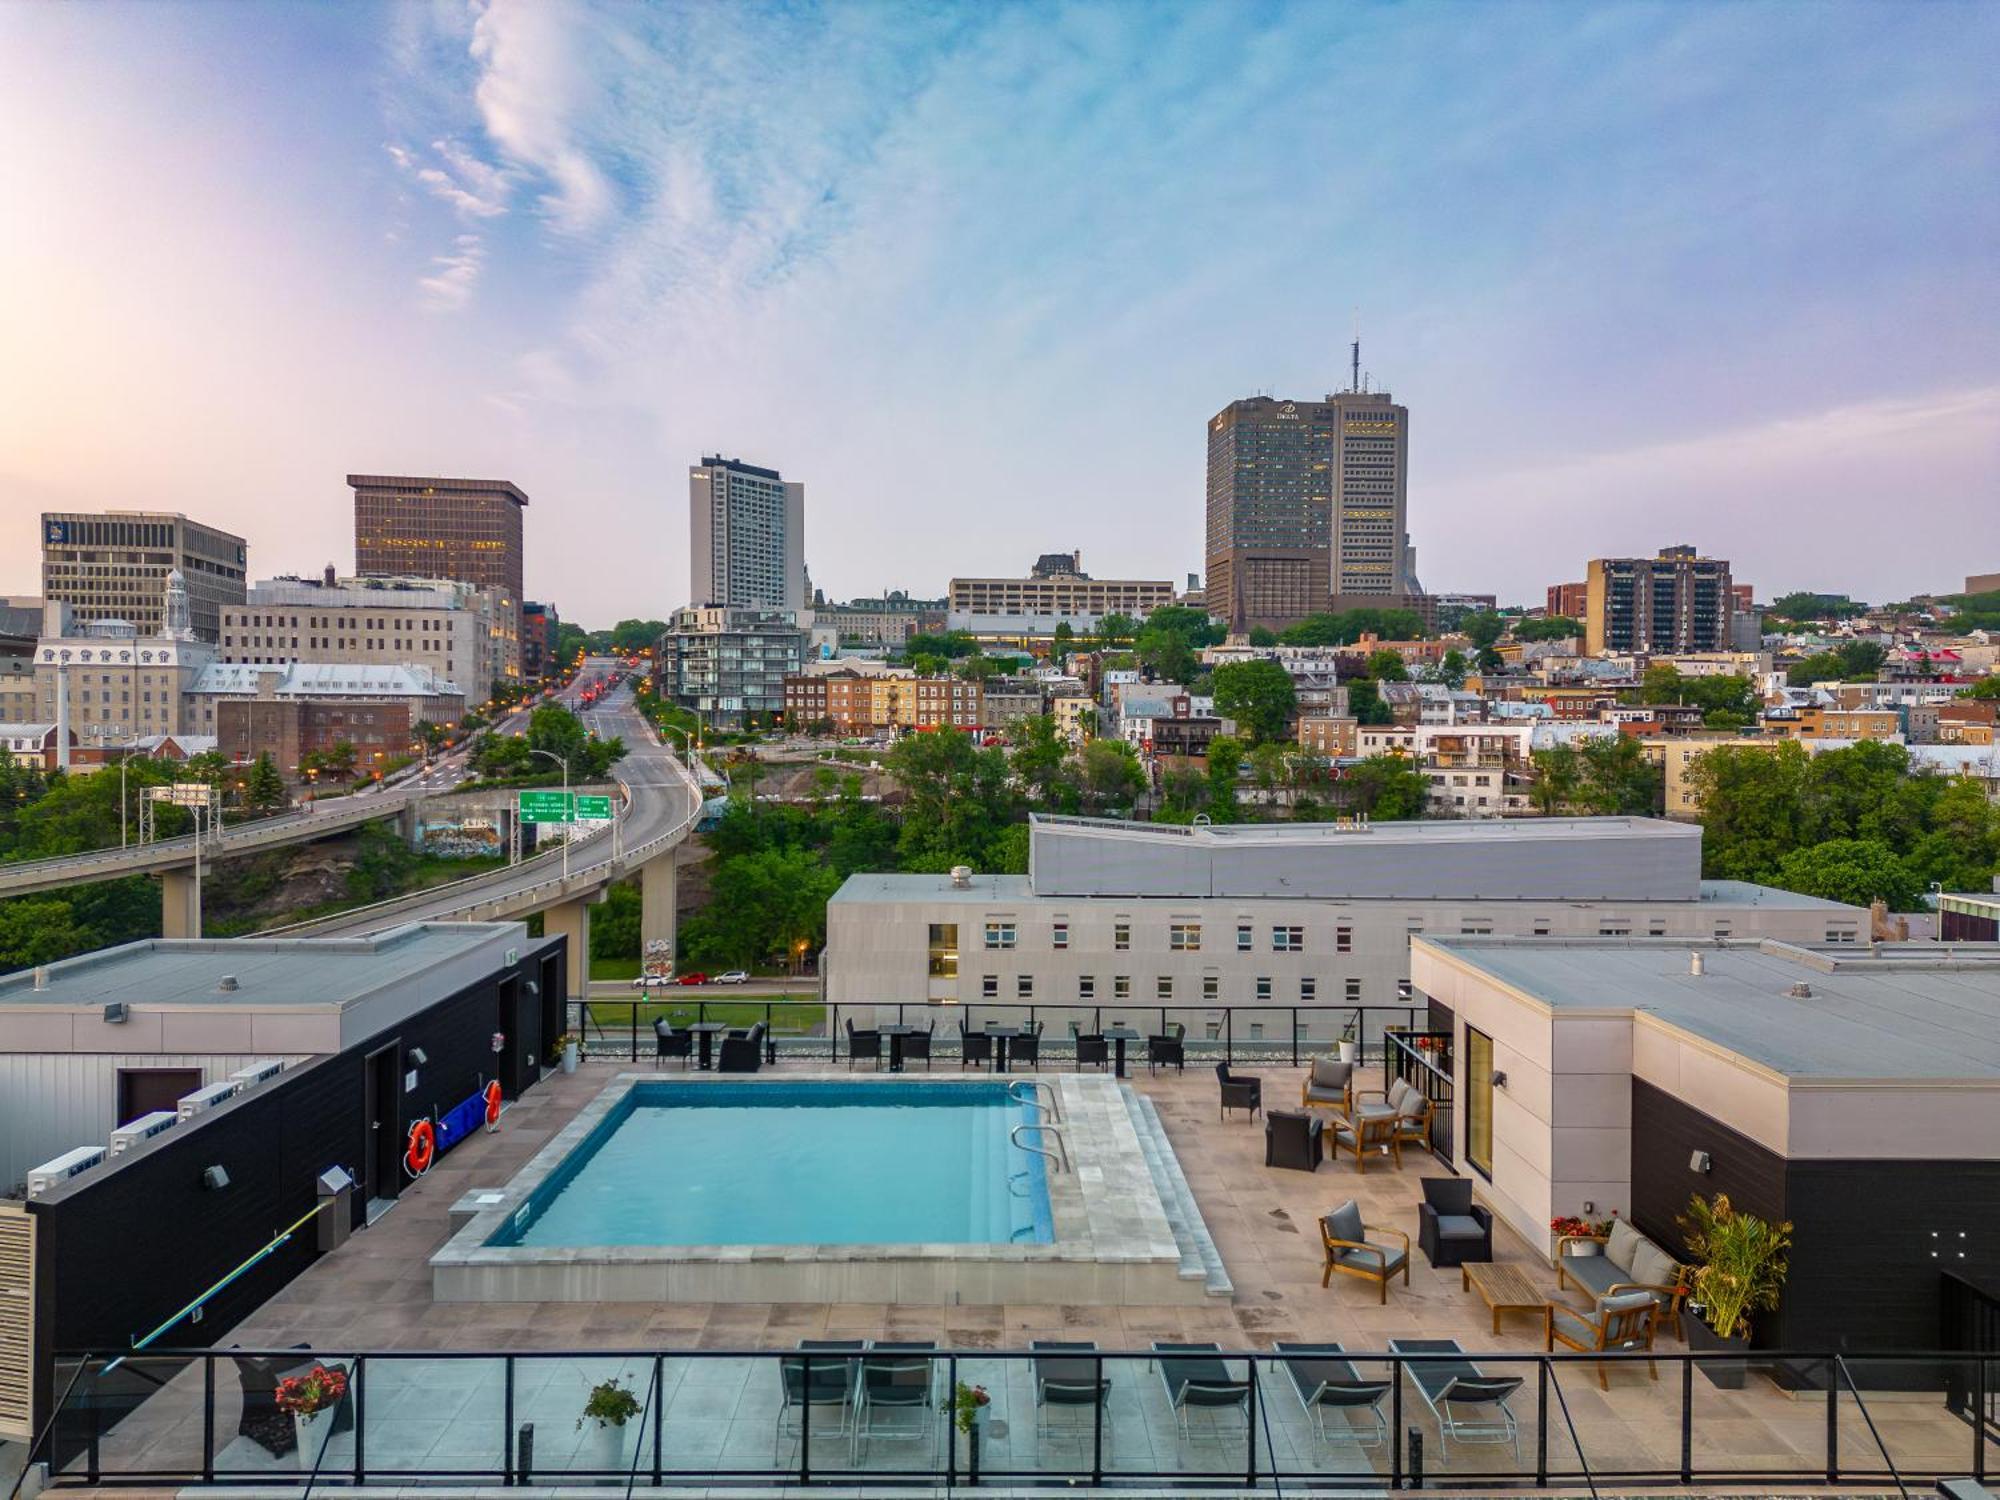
{"x":1073,"y":1413}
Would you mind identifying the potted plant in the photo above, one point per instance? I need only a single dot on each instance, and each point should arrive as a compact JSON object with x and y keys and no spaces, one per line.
{"x":1565,"y":1225}
{"x":567,"y":1052}
{"x":968,"y":1407}
{"x":607,"y":1421}
{"x":311,"y":1399}
{"x":1348,"y":1046}
{"x":1739,"y":1266}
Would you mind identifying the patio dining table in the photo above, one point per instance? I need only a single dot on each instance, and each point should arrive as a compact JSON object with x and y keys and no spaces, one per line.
{"x":895,"y":1032}
{"x":707,"y":1031}
{"x":1002,"y":1035}
{"x":1119,"y":1036}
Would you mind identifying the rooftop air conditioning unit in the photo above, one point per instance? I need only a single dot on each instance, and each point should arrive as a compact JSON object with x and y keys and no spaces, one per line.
{"x":125,"y":1137}
{"x":257,"y":1072}
{"x":53,"y":1173}
{"x":201,"y":1099}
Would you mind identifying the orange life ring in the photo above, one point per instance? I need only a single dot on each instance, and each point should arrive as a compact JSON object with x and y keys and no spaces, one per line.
{"x":422,"y":1148}
{"x":493,"y":1103}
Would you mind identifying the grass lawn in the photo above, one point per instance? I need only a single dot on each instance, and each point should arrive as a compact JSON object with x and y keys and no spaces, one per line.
{"x":789,"y":1020}
{"x":614,"y":968}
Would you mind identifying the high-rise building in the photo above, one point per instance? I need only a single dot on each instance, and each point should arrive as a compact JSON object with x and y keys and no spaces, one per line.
{"x":467,"y":530}
{"x":1674,"y":602}
{"x":113,"y":565}
{"x":746,"y":537}
{"x":729,"y":664}
{"x":1307,"y":508}
{"x":1568,"y":599}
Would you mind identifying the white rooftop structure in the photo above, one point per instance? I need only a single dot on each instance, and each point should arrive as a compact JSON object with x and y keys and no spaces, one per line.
{"x":322,"y":680}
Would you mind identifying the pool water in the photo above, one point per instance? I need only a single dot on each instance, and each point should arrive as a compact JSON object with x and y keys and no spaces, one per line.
{"x":796,"y":1164}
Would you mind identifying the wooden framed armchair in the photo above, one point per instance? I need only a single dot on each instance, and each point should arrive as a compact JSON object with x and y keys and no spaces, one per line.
{"x":1330,"y":1085}
{"x":1622,"y":1324}
{"x":1350,"y":1251}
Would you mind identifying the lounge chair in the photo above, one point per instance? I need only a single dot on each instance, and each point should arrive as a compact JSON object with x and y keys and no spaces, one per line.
{"x":1330,"y":1085}
{"x":1292,"y":1140}
{"x":1092,"y":1051}
{"x":668,"y":1042}
{"x":1068,"y":1380}
{"x":1326,"y":1383}
{"x":827,"y":1388}
{"x":1623,"y":1261}
{"x":1350,"y":1251}
{"x":742,"y":1052}
{"x":1619,"y":1325}
{"x":1165,"y":1052}
{"x":973,"y":1047}
{"x":1470,"y":1406}
{"x":918,"y":1044}
{"x":1238,"y":1093}
{"x":1451,"y":1228}
{"x":1196,"y":1378}
{"x":897,"y":1396}
{"x":864,"y":1043}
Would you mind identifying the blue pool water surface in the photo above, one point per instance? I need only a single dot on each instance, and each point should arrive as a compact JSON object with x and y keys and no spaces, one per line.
{"x":795,"y":1164}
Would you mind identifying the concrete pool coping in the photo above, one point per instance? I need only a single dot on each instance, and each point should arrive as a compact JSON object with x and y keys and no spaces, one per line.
{"x":1113,"y":1241}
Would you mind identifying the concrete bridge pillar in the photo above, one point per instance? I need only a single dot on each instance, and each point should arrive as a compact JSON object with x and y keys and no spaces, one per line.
{"x":572,"y":920}
{"x":657,"y":892}
{"x":180,"y":904}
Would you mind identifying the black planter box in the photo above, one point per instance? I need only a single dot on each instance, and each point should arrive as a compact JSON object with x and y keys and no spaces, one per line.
{"x":1724,"y":1375}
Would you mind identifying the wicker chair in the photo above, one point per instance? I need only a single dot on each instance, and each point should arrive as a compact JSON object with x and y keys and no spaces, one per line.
{"x":1238,"y":1093}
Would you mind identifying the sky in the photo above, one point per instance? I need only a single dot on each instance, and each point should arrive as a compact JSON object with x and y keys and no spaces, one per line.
{"x":978,"y":275}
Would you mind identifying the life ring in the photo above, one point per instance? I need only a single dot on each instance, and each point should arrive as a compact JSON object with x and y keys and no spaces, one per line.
{"x":493,"y":1104}
{"x":422,"y":1148}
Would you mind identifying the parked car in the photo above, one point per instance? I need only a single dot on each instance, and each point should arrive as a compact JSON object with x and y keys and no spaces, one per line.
{"x":732,"y":976}
{"x":695,"y":978}
{"x":652,"y":981}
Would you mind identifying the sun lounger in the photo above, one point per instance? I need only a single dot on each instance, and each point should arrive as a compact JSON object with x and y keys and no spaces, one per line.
{"x":1069,"y":1379}
{"x":826,"y":1386}
{"x":1470,"y":1406}
{"x":897,"y":1395}
{"x":1328,"y":1385}
{"x":1195,"y":1378}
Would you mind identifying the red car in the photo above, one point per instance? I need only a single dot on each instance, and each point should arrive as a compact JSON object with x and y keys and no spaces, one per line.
{"x":695,"y":978}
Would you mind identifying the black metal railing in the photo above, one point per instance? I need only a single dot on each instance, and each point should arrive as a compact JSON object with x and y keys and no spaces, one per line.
{"x":1422,"y":1059}
{"x":1246,"y":1034}
{"x":1969,"y":1324}
{"x":810,"y":1415}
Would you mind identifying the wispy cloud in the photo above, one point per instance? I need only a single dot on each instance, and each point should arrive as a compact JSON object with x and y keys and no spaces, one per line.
{"x":477,"y":189}
{"x":450,"y":284}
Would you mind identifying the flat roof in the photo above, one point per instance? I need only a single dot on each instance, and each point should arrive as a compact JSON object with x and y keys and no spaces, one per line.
{"x":269,"y":972}
{"x":1906,"y":1011}
{"x":505,"y":487}
{"x":1426,"y":831}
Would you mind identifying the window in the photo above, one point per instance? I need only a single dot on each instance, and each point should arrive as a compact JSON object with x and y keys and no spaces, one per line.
{"x":1243,"y":938}
{"x":1614,"y":928}
{"x":1343,"y":939}
{"x":1405,"y":992}
{"x":1184,"y":937}
{"x":1121,"y":936}
{"x":1288,"y":939}
{"x":1211,"y":986}
{"x":944,"y":950}
{"x":1541,"y":927}
{"x":1121,"y":987}
{"x":1163,"y":987}
{"x":1841,"y":935}
{"x":999,"y":934}
{"x":1479,"y":1101}
{"x":1024,"y":987}
{"x":1059,"y":935}
{"x":1353,"y":992}
{"x":1656,"y":927}
{"x":989,"y":986}
{"x":1263,"y":989}
{"x":1476,"y":929}
{"x":1308,"y":990}
{"x":1086,"y":987}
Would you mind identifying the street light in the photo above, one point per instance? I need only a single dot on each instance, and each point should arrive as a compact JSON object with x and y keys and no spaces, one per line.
{"x":569,"y":807}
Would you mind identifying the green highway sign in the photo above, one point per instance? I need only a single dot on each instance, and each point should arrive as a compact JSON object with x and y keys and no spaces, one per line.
{"x":546,"y":807}
{"x":594,"y":807}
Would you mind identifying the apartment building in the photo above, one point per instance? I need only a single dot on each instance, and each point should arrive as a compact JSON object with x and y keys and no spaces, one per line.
{"x":106,"y":684}
{"x":290,"y":729}
{"x":1676,"y":601}
{"x":1144,"y":921}
{"x":113,"y":565}
{"x":1333,"y":736}
{"x":1008,"y":700}
{"x":729,"y":665}
{"x":1812,"y":722}
{"x":1076,"y":716}
{"x":747,"y":537}
{"x":872,"y":702}
{"x":541,"y":626}
{"x":1056,"y":591}
{"x":463,"y":634}
{"x":1569,"y":600}
{"x":888,"y":621}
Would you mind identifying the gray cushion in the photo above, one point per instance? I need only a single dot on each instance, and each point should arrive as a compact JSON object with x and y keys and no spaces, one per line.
{"x":1331,"y":1074}
{"x":1414,"y":1104}
{"x":1624,"y":1242}
{"x":1624,"y":1302}
{"x":1652,"y":1266}
{"x":1344,"y":1223}
{"x":1368,"y":1111}
{"x":1572,"y":1324}
{"x":1460,"y":1227}
{"x":1317,"y":1095}
{"x":1398,"y":1090}
{"x":1386,"y":1259}
{"x":1592,"y":1272}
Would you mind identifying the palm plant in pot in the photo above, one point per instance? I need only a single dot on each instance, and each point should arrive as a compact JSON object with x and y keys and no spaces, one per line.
{"x":607,"y":1420}
{"x":1739,"y":1268}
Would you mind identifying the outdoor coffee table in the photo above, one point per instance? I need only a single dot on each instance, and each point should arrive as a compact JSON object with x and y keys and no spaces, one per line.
{"x":707,"y":1032}
{"x":1503,"y":1288}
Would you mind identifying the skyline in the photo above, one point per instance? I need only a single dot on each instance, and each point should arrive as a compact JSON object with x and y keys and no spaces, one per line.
{"x":1641,"y":274}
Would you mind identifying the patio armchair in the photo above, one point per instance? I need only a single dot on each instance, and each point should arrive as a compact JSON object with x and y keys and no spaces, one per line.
{"x":1624,"y":1260}
{"x":1238,"y":1093}
{"x":918,"y":1044}
{"x":1026,"y":1048}
{"x":973,"y":1047}
{"x":1622,"y":1324}
{"x":668,"y":1042}
{"x":864,"y":1043}
{"x":1451,"y":1228}
{"x":1292,"y":1140}
{"x":1092,"y":1051}
{"x":1369,"y":1135}
{"x":1330,"y":1085}
{"x":1350,"y":1251}
{"x":1165,"y":1051}
{"x":897,"y":1394}
{"x":742,"y":1053}
{"x":1069,"y":1379}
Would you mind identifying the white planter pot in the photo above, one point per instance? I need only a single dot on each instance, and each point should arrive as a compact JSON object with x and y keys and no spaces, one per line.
{"x":608,"y":1447}
{"x":311,"y":1431}
{"x":1347,"y":1051}
{"x":569,"y":1057}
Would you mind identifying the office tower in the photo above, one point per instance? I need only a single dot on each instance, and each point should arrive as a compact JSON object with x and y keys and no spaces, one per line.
{"x":113,"y":565}
{"x":467,"y":530}
{"x":1674,"y":602}
{"x":746,"y":537}
{"x":1307,"y":508}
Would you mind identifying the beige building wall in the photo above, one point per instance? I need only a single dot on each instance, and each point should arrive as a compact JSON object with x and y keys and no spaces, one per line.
{"x":469,"y":637}
{"x":1675,"y":755}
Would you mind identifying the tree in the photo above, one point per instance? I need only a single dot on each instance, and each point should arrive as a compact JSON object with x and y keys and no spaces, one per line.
{"x":1483,"y":629}
{"x":1804,"y":608}
{"x":1856,"y":871}
{"x":1386,"y":787}
{"x":1986,"y":689}
{"x":630,"y":637}
{"x":1452,"y":669}
{"x":1258,"y":695}
{"x":950,"y":645}
{"x":1112,"y":775}
{"x":1364,"y":703}
{"x":958,"y":797}
{"x":1558,"y":779}
{"x":1116,"y":629}
{"x":1064,"y":638}
{"x":1750,"y":807}
{"x":39,"y":930}
{"x":1548,"y":628}
{"x":1345,"y":627}
{"x":1618,"y":780}
{"x":1850,"y":661}
{"x":1225,"y":769}
{"x":1262,"y":636}
{"x":1388,"y":666}
{"x":1039,"y":756}
{"x":264,"y":791}
{"x":1183,"y":793}
{"x":1661,"y":683}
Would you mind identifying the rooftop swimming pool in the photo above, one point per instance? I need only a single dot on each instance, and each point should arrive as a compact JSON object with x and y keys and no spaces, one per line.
{"x":795,"y":1163}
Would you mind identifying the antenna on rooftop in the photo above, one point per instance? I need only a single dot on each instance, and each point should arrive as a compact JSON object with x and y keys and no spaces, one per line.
{"x":1354,"y":367}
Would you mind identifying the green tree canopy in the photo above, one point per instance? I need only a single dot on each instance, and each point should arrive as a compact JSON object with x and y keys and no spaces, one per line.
{"x":1856,"y":871}
{"x":630,"y":637}
{"x":1387,"y":787}
{"x":1112,"y":776}
{"x":1851,"y":661}
{"x":1547,"y":628}
{"x":1388,"y":666}
{"x":950,"y":645}
{"x":1263,"y":636}
{"x":1345,"y":627}
{"x":1483,"y":629}
{"x":1364,"y":703}
{"x":1258,"y":695}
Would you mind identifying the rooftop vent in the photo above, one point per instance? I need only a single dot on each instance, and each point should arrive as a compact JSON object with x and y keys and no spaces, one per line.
{"x":1800,"y":991}
{"x":961,"y":877}
{"x":1695,"y":965}
{"x":226,"y":984}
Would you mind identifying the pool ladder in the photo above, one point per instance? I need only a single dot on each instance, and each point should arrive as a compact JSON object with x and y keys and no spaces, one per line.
{"x":1033,"y":1098}
{"x":1060,"y":1156}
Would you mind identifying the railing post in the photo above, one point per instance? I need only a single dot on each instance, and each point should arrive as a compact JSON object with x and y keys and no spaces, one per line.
{"x":360,"y":1421}
{"x":507,"y":1417}
{"x":635,"y":1028}
{"x":1832,"y":1423}
{"x":951,"y":1424}
{"x":659,"y":1411}
{"x":805,"y":1418}
{"x":1541,"y":1423}
{"x":208,"y":1419}
{"x":1979,"y":1414}
{"x":1250,"y":1466}
{"x":1229,"y":1034}
{"x":1687,"y":1420}
{"x":1396,"y":1425}
{"x":1097,"y":1424}
{"x":1295,"y":1036}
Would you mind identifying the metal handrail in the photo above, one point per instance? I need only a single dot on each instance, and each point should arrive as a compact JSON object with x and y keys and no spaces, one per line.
{"x":1037,"y":1087}
{"x":1014,"y":1135}
{"x":1833,"y":1395}
{"x":1576,"y":1442}
{"x":48,"y":1427}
